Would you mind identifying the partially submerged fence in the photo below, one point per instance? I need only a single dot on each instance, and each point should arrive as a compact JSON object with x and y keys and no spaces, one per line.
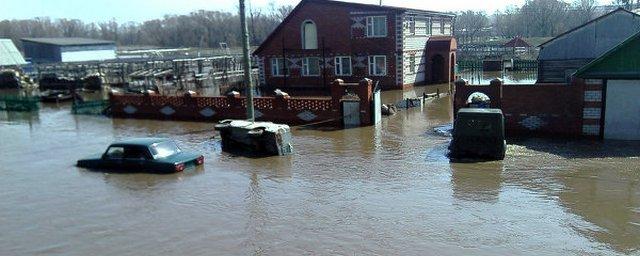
{"x":281,"y":109}
{"x":97,"y":107}
{"x":19,"y":103}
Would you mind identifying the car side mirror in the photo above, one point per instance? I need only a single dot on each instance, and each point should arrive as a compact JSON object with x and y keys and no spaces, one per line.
{"x":104,"y":156}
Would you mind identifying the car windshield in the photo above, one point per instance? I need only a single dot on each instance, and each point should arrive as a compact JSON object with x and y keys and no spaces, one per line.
{"x":164,"y":149}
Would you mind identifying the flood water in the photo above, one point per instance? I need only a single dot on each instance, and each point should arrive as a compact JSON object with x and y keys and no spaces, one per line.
{"x":479,"y":77}
{"x":383,"y":190}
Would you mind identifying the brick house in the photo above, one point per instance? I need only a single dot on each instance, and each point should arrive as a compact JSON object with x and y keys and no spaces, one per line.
{"x":323,"y":40}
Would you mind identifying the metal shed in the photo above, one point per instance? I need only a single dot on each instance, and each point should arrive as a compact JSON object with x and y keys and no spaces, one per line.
{"x":9,"y":54}
{"x":620,"y":70}
{"x":563,"y":55}
{"x":51,"y":50}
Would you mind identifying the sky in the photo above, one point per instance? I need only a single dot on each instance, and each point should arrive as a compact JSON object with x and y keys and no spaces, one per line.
{"x":141,"y":10}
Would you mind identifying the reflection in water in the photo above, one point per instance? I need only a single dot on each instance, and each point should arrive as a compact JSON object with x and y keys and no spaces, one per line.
{"x":383,"y":190}
{"x":610,"y":200}
{"x":477,"y":182}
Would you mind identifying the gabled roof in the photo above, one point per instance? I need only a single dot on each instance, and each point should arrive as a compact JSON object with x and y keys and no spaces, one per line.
{"x":67,"y":41}
{"x":588,"y":23}
{"x":340,"y":3}
{"x":621,"y":62}
{"x":9,"y":54}
{"x":517,"y":42}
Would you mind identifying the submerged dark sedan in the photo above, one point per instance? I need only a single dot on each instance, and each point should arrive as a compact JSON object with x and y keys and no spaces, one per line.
{"x":153,"y":155}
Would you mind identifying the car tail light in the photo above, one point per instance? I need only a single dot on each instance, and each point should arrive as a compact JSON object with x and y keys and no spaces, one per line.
{"x":180,"y":167}
{"x":200,"y":160}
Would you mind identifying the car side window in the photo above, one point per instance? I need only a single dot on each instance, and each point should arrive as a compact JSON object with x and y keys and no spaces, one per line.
{"x":135,"y":153}
{"x":115,"y":152}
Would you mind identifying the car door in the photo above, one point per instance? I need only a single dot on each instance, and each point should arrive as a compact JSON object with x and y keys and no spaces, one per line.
{"x":135,"y":159}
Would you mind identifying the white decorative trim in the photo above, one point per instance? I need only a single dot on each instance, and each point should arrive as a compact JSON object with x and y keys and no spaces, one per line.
{"x":207,"y":112}
{"x":592,"y":113}
{"x":591,"y":129}
{"x":307,"y":116}
{"x":593,"y":96}
{"x":533,"y":123}
{"x":167,"y":111}
{"x":130,"y":109}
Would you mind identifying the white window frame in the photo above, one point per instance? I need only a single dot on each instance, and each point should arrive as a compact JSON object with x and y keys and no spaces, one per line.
{"x":339,"y":63}
{"x":306,"y":68}
{"x":412,"y":63}
{"x":412,"y":25}
{"x":276,"y":71}
{"x":373,"y":67}
{"x":303,"y":35}
{"x":371,"y":26}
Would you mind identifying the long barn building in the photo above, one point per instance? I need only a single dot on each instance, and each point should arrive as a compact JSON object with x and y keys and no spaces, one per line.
{"x":52,"y":50}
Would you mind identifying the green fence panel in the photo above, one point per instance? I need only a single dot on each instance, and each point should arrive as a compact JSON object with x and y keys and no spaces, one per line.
{"x":19,"y":104}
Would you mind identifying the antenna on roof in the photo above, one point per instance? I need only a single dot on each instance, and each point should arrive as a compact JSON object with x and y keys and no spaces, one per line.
{"x":380,"y":2}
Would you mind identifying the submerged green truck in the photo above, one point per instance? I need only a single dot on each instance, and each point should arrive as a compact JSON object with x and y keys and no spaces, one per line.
{"x":478,"y":133}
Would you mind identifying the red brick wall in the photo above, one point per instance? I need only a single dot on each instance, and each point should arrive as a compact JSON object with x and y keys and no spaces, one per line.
{"x":538,"y":109}
{"x":333,"y":23}
{"x":279,"y":109}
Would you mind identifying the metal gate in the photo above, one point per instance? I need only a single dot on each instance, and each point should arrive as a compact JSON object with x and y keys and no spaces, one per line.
{"x":377,"y":106}
{"x":351,"y":113}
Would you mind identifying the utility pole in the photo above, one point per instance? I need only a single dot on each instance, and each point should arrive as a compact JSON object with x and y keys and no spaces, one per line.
{"x":247,"y":63}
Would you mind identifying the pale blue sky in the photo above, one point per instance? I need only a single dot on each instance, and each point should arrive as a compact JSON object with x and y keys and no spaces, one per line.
{"x":141,"y":10}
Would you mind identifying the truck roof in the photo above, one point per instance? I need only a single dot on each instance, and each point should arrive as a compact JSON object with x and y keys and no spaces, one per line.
{"x":481,"y":110}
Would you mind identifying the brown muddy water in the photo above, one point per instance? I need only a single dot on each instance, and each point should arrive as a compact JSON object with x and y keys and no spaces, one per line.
{"x":383,"y":190}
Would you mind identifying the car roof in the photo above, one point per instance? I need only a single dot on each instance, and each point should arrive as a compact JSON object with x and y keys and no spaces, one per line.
{"x":140,"y":142}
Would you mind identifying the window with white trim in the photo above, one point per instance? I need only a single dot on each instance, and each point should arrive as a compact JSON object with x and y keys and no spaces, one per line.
{"x":343,"y":66}
{"x":378,"y":65}
{"x":309,"y":35}
{"x":412,"y":63}
{"x":277,"y":67}
{"x":311,"y":66}
{"x":377,"y":26}
{"x":412,"y":25}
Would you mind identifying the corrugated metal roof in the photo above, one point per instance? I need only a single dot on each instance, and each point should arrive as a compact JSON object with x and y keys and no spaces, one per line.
{"x":9,"y":54}
{"x":67,"y":41}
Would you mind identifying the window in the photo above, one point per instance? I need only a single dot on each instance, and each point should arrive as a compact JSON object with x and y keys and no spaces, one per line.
{"x":343,"y":66}
{"x":164,"y":149}
{"x":311,"y":67}
{"x":277,"y":67}
{"x":377,"y":26}
{"x":446,"y":29}
{"x":378,"y":65}
{"x":115,"y":152}
{"x":412,"y":25}
{"x":436,"y":26}
{"x":309,"y":35}
{"x":136,"y":153}
{"x":412,"y":63}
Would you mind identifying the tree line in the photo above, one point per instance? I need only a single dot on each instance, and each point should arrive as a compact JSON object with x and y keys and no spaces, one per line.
{"x":535,"y":18}
{"x":201,"y":28}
